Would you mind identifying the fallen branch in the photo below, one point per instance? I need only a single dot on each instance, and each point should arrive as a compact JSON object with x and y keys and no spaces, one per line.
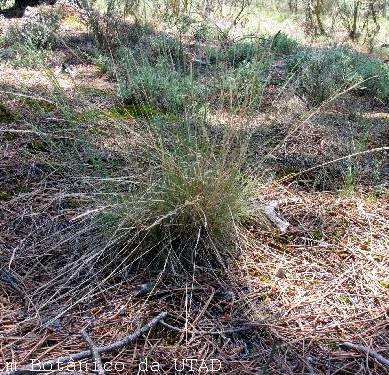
{"x":37,"y":98}
{"x":227,"y":331}
{"x":270,"y":212}
{"x":365,"y":350}
{"x":55,"y":364}
{"x":349,"y":156}
{"x":20,"y":131}
{"x":95,"y":353}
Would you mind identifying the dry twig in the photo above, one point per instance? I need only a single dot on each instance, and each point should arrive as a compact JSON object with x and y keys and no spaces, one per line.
{"x":95,"y":352}
{"x":270,"y":212}
{"x":365,"y":350}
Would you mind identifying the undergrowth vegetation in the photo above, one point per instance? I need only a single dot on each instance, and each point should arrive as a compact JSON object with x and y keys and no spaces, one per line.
{"x":322,"y":73}
{"x":175,"y":144}
{"x":165,"y":74}
{"x":29,"y":44}
{"x":191,"y":210}
{"x":194,"y":202}
{"x":158,"y":84}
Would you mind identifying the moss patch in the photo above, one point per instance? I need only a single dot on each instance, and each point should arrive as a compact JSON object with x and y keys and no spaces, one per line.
{"x":126,"y":112}
{"x":6,"y":115}
{"x":42,"y":105}
{"x":4,"y":196}
{"x":384,"y":283}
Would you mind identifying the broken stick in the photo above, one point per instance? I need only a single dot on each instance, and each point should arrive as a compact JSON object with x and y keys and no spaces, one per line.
{"x":365,"y":350}
{"x":58,"y":362}
{"x":270,"y":212}
{"x":95,"y":353}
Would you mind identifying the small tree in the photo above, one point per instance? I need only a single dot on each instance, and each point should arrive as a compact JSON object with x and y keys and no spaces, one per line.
{"x":361,"y":17}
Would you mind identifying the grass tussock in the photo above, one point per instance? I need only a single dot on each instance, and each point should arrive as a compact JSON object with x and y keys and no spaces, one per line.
{"x":190,"y":211}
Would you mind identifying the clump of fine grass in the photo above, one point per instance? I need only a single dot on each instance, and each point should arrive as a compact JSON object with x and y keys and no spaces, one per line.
{"x":189,"y":212}
{"x":186,"y":210}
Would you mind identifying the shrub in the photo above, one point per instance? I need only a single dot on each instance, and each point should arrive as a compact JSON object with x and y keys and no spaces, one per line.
{"x":214,"y":54}
{"x":375,"y":74}
{"x":30,"y":42}
{"x":40,"y":32}
{"x":281,"y":43}
{"x":158,"y":84}
{"x":203,"y":32}
{"x":162,"y":45}
{"x":103,"y":62}
{"x":243,"y":86}
{"x":320,"y":74}
{"x":109,"y":28}
{"x":148,"y":49}
{"x":242,"y":52}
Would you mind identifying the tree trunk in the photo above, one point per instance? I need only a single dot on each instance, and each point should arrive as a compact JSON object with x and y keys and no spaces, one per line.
{"x":318,"y":12}
{"x":310,"y":26}
{"x":354,"y":27}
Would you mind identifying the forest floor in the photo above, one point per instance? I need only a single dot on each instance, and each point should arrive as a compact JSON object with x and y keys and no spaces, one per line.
{"x":289,"y":301}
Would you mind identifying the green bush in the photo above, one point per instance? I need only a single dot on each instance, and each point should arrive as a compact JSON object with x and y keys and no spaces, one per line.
{"x":203,"y":32}
{"x":40,"y":33}
{"x":150,"y":48}
{"x":242,"y":52}
{"x":281,"y":43}
{"x":103,"y":62}
{"x":29,"y":43}
{"x":158,"y":84}
{"x":375,"y":74}
{"x":110,"y":29}
{"x":214,"y":54}
{"x":242,"y":86}
{"x":163,"y":45}
{"x":321,"y":74}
